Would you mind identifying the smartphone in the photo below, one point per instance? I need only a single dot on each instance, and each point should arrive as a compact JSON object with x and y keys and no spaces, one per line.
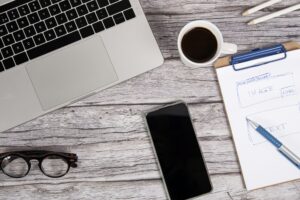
{"x":178,"y":152}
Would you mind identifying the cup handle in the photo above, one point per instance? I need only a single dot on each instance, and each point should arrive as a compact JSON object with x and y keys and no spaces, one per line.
{"x":229,"y":48}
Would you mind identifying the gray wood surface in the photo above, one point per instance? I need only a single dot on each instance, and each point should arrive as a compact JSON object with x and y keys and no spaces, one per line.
{"x":107,"y":132}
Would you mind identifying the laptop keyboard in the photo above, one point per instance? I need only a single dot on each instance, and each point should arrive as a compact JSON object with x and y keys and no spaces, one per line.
{"x":32,"y":28}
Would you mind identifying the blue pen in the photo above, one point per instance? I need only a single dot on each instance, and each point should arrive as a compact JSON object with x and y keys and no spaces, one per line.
{"x":280,"y":147}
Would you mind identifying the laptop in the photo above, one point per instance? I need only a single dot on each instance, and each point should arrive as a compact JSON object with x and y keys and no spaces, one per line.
{"x":54,"y":52}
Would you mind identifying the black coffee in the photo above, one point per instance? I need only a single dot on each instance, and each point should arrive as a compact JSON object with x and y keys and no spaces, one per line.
{"x":199,"y":45}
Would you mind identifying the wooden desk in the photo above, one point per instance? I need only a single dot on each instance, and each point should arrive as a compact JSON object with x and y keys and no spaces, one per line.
{"x":107,"y":132}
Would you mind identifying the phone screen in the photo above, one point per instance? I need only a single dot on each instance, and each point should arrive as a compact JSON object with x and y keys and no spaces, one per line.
{"x":178,"y":152}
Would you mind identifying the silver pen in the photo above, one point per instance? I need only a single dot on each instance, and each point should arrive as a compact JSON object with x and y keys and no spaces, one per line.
{"x":280,"y":147}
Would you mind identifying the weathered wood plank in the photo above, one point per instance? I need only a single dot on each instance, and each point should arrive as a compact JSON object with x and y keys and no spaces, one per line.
{"x":227,"y":187}
{"x":117,"y":154}
{"x":168,"y":17}
{"x":123,"y":149}
{"x":170,"y":82}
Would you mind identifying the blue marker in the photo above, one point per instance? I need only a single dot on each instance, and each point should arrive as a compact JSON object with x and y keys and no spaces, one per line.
{"x":280,"y":147}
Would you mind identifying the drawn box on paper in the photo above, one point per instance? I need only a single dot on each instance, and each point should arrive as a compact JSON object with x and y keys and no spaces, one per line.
{"x":264,"y":88}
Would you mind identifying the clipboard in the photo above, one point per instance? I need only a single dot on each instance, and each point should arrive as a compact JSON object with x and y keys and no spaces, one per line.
{"x":257,"y":54}
{"x":262,"y":85}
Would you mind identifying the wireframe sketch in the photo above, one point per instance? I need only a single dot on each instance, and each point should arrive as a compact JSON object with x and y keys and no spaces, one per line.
{"x":281,"y":122}
{"x":265,"y":87}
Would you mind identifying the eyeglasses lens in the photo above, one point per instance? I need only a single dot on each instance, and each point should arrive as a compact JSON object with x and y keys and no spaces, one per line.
{"x":54,"y":166}
{"x":14,"y":166}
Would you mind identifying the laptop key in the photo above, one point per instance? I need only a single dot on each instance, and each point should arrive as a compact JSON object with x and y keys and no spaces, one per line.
{"x":8,"y":40}
{"x":9,"y":63}
{"x":7,"y":52}
{"x":86,"y":31}
{"x":82,"y":10}
{"x":18,"y":47}
{"x":21,"y":58}
{"x":75,"y":3}
{"x":54,"y":10}
{"x":65,"y":5}
{"x":28,"y":43}
{"x":12,"y":26}
{"x":50,"y":35}
{"x":71,"y":26}
{"x":61,"y":18}
{"x":29,"y":31}
{"x":3,"y":30}
{"x":1,"y":67}
{"x":40,"y":27}
{"x":91,"y":18}
{"x":98,"y":27}
{"x":129,"y":14}
{"x":92,"y":6}
{"x":118,"y":7}
{"x":54,"y":45}
{"x":44,"y":14}
{"x":13,"y":14}
{"x":102,"y":3}
{"x":24,"y":10}
{"x":72,"y":14}
{"x":55,"y":1}
{"x":23,"y":22}
{"x":60,"y":30}
{"x":1,"y":43}
{"x":51,"y":22}
{"x":39,"y":39}
{"x":34,"y":6}
{"x":81,"y":22}
{"x":19,"y":35}
{"x":45,"y":3}
{"x":102,"y":14}
{"x":3,"y":18}
{"x":33,"y":18}
{"x":119,"y":18}
{"x":108,"y":22}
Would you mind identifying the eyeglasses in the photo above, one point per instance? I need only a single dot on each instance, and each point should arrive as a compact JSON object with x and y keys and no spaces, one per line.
{"x":52,"y":164}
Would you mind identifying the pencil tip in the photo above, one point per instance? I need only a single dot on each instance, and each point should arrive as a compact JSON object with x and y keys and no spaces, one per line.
{"x":246,"y":13}
{"x":251,"y":23}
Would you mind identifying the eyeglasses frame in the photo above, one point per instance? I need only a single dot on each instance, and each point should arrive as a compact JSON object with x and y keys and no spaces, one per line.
{"x":38,"y":155}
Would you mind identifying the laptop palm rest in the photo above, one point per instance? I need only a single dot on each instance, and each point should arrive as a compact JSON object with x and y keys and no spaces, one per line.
{"x":71,"y":73}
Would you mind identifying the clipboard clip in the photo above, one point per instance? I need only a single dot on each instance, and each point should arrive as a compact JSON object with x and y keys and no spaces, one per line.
{"x":277,"y":53}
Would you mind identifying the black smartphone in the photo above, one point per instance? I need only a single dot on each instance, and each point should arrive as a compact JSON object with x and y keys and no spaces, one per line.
{"x":180,"y":158}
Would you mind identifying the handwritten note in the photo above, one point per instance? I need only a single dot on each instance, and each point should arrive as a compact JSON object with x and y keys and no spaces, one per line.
{"x":269,"y":95}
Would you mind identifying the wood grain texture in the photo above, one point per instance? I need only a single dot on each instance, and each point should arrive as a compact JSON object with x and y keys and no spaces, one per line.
{"x":107,"y":132}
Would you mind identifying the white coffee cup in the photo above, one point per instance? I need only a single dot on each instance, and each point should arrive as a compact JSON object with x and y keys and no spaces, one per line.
{"x":222,"y":47}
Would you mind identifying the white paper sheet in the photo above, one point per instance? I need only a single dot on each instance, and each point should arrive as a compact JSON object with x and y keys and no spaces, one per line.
{"x":269,"y":95}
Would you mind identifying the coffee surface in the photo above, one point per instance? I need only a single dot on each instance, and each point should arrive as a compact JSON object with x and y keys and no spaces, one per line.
{"x":199,"y":45}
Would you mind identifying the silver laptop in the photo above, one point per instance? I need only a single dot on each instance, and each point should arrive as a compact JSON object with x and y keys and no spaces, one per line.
{"x":53,"y":52}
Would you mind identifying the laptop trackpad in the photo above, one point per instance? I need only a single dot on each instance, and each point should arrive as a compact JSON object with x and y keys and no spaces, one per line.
{"x":71,"y":73}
